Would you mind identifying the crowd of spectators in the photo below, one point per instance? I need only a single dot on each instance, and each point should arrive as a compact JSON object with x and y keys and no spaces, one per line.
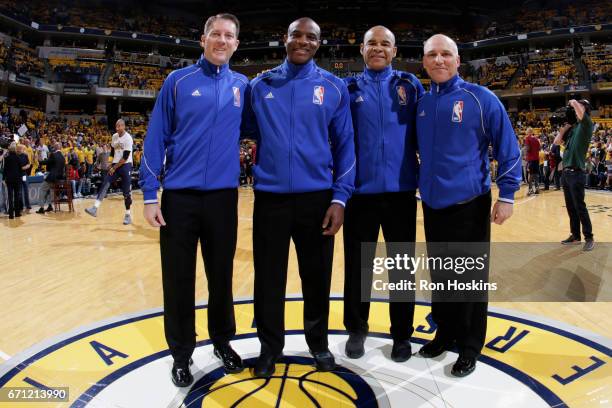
{"x":136,"y":76}
{"x":496,"y":76}
{"x":598,"y":61}
{"x":532,"y":16}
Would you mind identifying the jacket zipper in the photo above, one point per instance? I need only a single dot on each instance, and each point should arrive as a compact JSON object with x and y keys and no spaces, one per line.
{"x":291,"y":140}
{"x":382,"y":136}
{"x":212,"y":133}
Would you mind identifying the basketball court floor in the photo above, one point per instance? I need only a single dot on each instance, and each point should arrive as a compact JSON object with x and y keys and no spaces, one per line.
{"x":81,"y":309}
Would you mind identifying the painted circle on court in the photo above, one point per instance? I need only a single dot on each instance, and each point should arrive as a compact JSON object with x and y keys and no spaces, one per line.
{"x":526,"y":360}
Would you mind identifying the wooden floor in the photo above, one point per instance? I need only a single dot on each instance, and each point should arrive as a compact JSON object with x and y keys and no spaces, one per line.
{"x":65,"y":270}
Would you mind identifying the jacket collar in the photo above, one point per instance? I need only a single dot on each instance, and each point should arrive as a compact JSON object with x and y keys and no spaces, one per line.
{"x":299,"y":71}
{"x":212,"y":69}
{"x":381,"y":75}
{"x":448,"y":86}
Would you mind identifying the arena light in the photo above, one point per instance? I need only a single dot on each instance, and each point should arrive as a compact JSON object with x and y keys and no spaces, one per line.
{"x":572,"y":30}
{"x":34,"y":25}
{"x":134,"y":35}
{"x":81,"y":30}
{"x":178,"y":41}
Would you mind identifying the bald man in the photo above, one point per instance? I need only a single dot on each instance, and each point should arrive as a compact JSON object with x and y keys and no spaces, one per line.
{"x":456,"y":123}
{"x":300,"y":116}
{"x":383,"y":108}
{"x":121,"y":150}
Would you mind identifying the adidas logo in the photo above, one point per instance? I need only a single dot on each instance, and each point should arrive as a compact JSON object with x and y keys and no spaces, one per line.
{"x":196,"y":93}
{"x":422,"y":114}
{"x":269,"y":96}
{"x":359,"y":99}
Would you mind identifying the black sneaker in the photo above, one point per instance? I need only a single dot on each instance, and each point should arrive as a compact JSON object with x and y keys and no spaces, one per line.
{"x":434,"y":348}
{"x":401,"y":351}
{"x":571,"y":240}
{"x":265,"y":365}
{"x":232,"y":363}
{"x":589,"y":244}
{"x":464,"y":366}
{"x":49,"y":208}
{"x":354,"y":345}
{"x":324,"y":360}
{"x":181,"y":375}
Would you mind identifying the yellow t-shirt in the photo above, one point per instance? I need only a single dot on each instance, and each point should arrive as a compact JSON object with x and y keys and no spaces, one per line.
{"x":80,"y":155}
{"x":89,"y":154}
{"x":542,"y":156}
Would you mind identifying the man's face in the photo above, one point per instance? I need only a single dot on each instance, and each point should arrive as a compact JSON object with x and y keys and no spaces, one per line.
{"x":120,"y":127}
{"x":302,"y":41}
{"x":440,"y":60}
{"x":378,"y":49}
{"x":220,"y":42}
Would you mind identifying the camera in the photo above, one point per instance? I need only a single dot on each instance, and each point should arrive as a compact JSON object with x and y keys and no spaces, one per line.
{"x":5,"y":142}
{"x":567,"y":114}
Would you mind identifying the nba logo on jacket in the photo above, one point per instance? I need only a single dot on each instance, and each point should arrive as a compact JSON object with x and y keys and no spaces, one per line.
{"x":236,"y":96}
{"x":317,"y":96}
{"x":401,"y":95}
{"x":457,"y":111}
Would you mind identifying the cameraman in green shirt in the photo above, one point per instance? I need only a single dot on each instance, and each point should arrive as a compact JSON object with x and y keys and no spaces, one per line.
{"x":576,"y":135}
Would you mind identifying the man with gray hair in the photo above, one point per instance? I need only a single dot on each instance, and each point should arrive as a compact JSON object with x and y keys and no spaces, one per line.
{"x":456,"y":123}
{"x":121,"y":150}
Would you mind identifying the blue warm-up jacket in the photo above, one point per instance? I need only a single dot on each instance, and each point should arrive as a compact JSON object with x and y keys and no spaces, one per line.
{"x":383,"y":108}
{"x":456,"y":123}
{"x":195,"y":126}
{"x":301,"y":119}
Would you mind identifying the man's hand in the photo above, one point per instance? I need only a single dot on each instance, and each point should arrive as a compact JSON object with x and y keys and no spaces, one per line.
{"x":501,"y":212}
{"x":334,"y":217}
{"x":111,"y":170}
{"x":578,"y":107}
{"x":153,"y":215}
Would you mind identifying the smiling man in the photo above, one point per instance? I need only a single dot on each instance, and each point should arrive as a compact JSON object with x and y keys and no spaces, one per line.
{"x":195,"y":127}
{"x":304,"y":175}
{"x":383,"y":108}
{"x":456,"y":123}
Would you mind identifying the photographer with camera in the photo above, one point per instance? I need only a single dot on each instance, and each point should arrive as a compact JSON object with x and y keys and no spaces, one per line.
{"x":575,"y":135}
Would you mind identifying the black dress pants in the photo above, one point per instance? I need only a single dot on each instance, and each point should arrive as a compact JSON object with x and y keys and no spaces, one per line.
{"x":365,"y":215}
{"x":212,"y":218}
{"x":573,"y":190}
{"x":463,"y":322}
{"x":14,"y":197}
{"x":277,"y":218}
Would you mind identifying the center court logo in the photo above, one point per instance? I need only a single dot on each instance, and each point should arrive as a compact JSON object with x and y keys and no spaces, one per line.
{"x":295,"y":384}
{"x":126,"y":363}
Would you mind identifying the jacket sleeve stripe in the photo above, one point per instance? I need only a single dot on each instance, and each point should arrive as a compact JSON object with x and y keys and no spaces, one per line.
{"x":339,"y":93}
{"x":508,"y":171}
{"x":480,"y":107}
{"x":348,"y":171}
{"x":181,"y":78}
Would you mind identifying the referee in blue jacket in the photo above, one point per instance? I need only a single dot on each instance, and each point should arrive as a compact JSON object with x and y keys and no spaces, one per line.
{"x":383,"y":108}
{"x":456,"y":123}
{"x":304,"y":175}
{"x":195,"y":128}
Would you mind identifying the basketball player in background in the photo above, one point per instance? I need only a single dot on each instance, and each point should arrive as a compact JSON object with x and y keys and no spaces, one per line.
{"x":121,"y":150}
